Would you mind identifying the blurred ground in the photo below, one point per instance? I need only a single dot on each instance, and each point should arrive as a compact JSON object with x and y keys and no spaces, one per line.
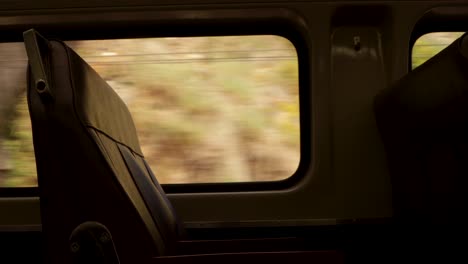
{"x":212,"y":109}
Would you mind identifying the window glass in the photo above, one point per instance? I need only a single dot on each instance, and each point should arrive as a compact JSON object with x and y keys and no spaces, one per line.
{"x":207,"y":109}
{"x":430,"y":44}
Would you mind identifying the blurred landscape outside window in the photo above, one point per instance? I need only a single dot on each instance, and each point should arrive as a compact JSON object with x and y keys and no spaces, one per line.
{"x":207,"y":109}
{"x":430,"y":44}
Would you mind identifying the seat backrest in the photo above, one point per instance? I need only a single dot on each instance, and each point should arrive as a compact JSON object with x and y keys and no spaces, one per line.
{"x":423,"y":121}
{"x":89,"y":163}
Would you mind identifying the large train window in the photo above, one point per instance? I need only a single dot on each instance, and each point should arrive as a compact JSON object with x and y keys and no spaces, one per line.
{"x":207,"y":109}
{"x":430,"y":44}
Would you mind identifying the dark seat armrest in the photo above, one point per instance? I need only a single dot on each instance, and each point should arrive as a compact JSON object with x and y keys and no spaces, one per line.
{"x":190,"y":247}
{"x":314,"y":257}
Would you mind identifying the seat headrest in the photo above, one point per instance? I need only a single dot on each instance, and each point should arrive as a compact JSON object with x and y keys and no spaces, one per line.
{"x":95,"y":103}
{"x":99,"y":106}
{"x":432,"y":95}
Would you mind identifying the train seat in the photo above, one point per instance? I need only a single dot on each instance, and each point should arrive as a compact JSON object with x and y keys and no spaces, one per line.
{"x":423,"y":121}
{"x":91,"y":170}
{"x":87,"y":153}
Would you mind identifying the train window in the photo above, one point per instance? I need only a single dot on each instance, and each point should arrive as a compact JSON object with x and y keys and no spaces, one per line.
{"x":430,"y":44}
{"x":207,"y":109}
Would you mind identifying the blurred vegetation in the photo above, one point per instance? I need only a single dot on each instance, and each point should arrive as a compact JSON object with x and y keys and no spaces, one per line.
{"x":430,"y":44}
{"x":18,"y":145}
{"x":207,"y":109}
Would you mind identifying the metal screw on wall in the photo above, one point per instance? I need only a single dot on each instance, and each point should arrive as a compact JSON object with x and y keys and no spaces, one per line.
{"x":357,"y":43}
{"x":75,"y":247}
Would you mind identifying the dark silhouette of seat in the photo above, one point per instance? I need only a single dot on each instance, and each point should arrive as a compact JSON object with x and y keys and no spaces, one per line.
{"x":423,"y":121}
{"x":89,"y":162}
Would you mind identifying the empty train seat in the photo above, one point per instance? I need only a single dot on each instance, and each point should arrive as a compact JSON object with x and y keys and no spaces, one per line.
{"x":91,"y":170}
{"x":423,"y":121}
{"x":87,"y":153}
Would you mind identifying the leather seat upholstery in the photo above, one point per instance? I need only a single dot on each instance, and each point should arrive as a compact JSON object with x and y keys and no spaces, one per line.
{"x":423,"y":121}
{"x":89,"y":162}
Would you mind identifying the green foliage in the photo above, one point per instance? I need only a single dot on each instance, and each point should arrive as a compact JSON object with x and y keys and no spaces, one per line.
{"x":430,"y":44}
{"x":19,"y":145}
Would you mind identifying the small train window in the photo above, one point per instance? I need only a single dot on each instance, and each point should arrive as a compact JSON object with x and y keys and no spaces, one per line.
{"x":430,"y":44}
{"x":207,"y":109}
